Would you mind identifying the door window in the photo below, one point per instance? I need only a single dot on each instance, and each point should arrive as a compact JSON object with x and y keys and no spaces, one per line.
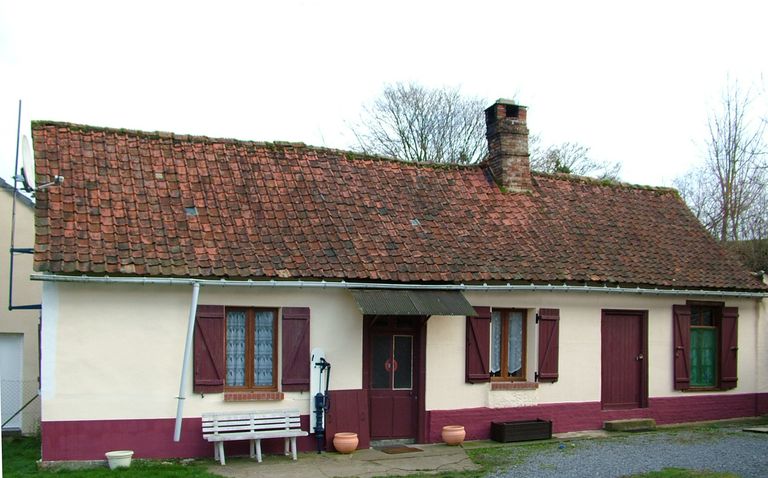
{"x":392,"y":362}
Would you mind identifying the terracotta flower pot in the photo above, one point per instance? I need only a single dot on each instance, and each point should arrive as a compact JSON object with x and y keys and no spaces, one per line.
{"x":453,"y":434}
{"x":345,"y":442}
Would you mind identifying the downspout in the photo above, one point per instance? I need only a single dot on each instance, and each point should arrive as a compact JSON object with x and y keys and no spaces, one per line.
{"x":760,"y":343}
{"x":17,"y":250}
{"x":185,"y":363}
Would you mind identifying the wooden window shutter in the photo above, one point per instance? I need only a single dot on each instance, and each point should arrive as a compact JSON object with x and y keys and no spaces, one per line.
{"x":681,"y":330}
{"x":729,"y":347}
{"x":295,"y":349}
{"x":478,"y":346}
{"x":549,"y":337}
{"x":209,"y":361}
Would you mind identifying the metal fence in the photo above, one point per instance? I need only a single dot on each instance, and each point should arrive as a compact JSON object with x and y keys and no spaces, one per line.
{"x":20,"y":406}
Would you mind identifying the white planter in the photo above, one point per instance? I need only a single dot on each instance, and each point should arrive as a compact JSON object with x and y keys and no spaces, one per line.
{"x":119,"y":458}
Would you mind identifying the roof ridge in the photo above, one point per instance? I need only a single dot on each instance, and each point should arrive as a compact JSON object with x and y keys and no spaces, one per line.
{"x":346,"y":154}
{"x":602,"y":182}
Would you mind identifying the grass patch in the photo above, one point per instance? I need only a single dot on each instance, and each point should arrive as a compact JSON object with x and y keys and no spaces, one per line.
{"x":682,"y":473}
{"x":717,"y":424}
{"x":502,"y":456}
{"x":20,"y":455}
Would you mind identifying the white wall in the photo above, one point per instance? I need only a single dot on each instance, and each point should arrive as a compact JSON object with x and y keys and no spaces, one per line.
{"x":760,"y":340}
{"x":579,"y":364}
{"x":115,"y":351}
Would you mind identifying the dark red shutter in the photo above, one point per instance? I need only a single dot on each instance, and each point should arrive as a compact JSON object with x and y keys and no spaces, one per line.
{"x":549,"y":337}
{"x":209,"y":361}
{"x":729,"y":347}
{"x":478,"y":346}
{"x":681,"y":330}
{"x":295,"y":348}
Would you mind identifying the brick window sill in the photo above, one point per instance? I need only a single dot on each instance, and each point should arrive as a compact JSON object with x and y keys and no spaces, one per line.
{"x":253,"y":396}
{"x":514,"y":385}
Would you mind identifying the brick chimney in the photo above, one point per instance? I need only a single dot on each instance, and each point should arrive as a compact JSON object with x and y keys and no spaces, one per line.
{"x":507,"y":136}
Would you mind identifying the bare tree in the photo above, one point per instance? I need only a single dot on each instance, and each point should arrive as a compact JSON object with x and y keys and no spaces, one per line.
{"x":728,"y":193}
{"x":571,"y":158}
{"x":695,"y":187}
{"x":416,"y":123}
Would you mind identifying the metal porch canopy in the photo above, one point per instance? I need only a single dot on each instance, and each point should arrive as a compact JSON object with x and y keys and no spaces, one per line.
{"x":411,"y":302}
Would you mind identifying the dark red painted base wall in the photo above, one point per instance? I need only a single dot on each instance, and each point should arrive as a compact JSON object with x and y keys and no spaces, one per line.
{"x":152,"y":438}
{"x":762,"y":404}
{"x":568,"y":417}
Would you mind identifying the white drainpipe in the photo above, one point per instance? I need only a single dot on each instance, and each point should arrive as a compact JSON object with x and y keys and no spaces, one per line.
{"x":185,"y":363}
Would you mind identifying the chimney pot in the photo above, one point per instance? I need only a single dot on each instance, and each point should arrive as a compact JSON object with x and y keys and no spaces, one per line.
{"x":507,"y":135}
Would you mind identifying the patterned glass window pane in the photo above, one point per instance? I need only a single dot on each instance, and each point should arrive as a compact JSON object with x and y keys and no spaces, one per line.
{"x":515,"y":338}
{"x":263,"y":345}
{"x":495,"y":342}
{"x":236,"y":326}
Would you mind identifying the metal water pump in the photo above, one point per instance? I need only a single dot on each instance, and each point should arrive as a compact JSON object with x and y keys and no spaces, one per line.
{"x":322,"y":403}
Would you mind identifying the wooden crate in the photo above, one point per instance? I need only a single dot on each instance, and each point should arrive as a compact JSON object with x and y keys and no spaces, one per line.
{"x":522,"y":430}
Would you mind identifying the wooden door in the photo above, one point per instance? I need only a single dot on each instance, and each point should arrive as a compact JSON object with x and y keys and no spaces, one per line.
{"x":392,"y":378}
{"x":624,"y":359}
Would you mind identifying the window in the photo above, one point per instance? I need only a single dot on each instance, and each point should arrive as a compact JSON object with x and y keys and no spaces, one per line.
{"x":704,"y":320}
{"x":508,"y":339}
{"x":705,"y":341}
{"x":251,"y":352}
{"x":492,"y":356}
{"x":236,"y":348}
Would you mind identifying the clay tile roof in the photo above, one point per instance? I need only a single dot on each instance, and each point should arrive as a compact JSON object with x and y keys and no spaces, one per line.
{"x":159,"y":204}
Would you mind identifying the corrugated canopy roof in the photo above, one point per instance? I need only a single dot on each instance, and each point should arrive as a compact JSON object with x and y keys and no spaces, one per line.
{"x":411,"y":302}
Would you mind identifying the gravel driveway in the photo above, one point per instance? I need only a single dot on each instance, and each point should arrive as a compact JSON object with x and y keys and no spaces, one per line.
{"x":720,"y":449}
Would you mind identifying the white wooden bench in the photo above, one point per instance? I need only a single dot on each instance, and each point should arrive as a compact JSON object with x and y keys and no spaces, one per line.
{"x":252,"y":426}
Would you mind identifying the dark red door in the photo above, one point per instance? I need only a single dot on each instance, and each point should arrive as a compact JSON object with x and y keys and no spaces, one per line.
{"x":392,"y":379}
{"x":624,"y":361}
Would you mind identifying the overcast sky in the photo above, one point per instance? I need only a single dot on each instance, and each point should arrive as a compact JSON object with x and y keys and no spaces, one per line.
{"x":633,"y":81}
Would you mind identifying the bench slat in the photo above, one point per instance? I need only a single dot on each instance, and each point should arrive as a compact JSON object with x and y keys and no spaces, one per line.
{"x":252,"y":424}
{"x":256,"y":428}
{"x":268,"y":421}
{"x":248,"y":415}
{"x":261,"y":435}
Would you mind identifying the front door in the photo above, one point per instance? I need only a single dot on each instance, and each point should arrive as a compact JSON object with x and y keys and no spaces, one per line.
{"x":392,"y":376}
{"x":624,"y":359}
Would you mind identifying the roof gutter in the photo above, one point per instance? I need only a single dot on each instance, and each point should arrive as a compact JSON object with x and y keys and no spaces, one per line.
{"x":365,"y":285}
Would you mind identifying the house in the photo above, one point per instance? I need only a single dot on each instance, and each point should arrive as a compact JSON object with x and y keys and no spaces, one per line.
{"x":440,"y":294}
{"x":19,"y":351}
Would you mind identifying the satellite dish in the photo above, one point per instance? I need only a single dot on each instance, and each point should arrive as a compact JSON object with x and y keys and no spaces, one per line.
{"x":27,"y":165}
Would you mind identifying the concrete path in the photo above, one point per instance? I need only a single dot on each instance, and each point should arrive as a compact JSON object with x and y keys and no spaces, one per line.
{"x":363,"y":463}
